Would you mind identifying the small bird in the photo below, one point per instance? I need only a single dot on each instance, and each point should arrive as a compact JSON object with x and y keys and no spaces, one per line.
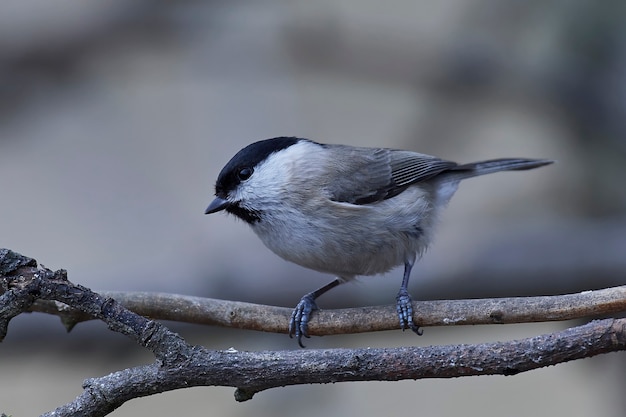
{"x":344,"y":210}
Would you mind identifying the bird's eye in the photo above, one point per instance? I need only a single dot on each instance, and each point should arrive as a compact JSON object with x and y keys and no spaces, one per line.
{"x":244,"y":173}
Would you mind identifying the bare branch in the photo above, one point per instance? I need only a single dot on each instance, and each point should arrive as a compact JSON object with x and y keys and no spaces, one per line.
{"x":180,"y":365}
{"x":182,"y":308}
{"x":252,"y":372}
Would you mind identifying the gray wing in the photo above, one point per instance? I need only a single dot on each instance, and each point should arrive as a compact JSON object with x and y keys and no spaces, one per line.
{"x":368,"y":175}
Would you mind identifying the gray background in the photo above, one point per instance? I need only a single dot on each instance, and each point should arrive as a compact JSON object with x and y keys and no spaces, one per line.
{"x":116,"y":117}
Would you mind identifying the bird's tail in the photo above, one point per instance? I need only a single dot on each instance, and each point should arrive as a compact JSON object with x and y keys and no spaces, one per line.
{"x":475,"y":169}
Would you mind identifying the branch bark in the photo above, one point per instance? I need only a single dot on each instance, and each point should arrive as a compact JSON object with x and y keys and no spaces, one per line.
{"x":197,"y":310}
{"x":180,"y":365}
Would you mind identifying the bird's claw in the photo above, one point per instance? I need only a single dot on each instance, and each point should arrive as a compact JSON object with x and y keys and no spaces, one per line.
{"x":299,"y":322}
{"x":405,"y":312}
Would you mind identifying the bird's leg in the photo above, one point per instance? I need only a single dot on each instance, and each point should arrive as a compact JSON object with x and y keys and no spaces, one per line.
{"x":403,"y":303}
{"x":299,"y":322}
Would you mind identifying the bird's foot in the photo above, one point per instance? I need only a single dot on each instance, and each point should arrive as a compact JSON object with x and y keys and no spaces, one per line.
{"x":299,"y":322}
{"x":405,"y":312}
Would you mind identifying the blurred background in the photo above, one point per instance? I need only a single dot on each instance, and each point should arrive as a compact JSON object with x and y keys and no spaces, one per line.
{"x":117,"y":116}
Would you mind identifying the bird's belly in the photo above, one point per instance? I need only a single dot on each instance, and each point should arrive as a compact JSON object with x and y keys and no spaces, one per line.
{"x":346,"y":246}
{"x":341,"y":256}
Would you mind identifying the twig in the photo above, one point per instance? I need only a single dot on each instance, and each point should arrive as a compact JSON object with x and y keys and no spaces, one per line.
{"x":182,"y":308}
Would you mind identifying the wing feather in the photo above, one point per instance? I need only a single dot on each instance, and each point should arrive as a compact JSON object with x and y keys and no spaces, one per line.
{"x":369,"y":175}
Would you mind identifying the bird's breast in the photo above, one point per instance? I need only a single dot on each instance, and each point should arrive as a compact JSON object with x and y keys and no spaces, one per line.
{"x":345,"y":239}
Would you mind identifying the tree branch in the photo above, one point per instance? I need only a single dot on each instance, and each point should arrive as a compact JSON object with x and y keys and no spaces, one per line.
{"x":189,"y":309}
{"x":180,"y":365}
{"x":252,"y":372}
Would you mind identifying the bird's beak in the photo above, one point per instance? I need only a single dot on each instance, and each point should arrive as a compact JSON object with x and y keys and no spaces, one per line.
{"x":216,"y":205}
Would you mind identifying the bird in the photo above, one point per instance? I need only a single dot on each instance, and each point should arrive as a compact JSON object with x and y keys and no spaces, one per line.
{"x":344,"y":210}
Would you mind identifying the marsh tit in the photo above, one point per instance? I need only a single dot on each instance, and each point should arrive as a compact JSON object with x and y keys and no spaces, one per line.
{"x":344,"y":210}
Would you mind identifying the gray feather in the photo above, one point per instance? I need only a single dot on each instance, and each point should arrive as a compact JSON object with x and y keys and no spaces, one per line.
{"x":370,"y":175}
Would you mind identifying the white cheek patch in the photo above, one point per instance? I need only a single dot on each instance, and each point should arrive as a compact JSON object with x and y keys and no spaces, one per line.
{"x":273,"y":177}
{"x":264,"y":184}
